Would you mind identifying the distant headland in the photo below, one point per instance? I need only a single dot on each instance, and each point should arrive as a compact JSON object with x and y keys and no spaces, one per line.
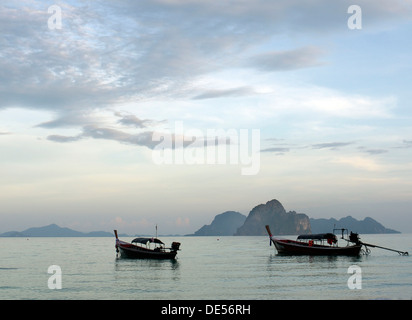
{"x":232,"y":223}
{"x":54,"y":230}
{"x":283,"y":223}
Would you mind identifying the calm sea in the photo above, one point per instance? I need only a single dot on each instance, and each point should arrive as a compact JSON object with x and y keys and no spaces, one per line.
{"x":240,"y":268}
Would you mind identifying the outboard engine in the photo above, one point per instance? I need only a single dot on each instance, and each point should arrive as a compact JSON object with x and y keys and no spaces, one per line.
{"x":354,"y":237}
{"x":175,"y":246}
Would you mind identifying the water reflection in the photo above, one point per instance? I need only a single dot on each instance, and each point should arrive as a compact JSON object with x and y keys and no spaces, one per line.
{"x":279,"y":258}
{"x":147,"y":269}
{"x":124,"y":264}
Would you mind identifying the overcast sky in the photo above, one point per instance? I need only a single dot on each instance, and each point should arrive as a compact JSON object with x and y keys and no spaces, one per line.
{"x":82,"y":98}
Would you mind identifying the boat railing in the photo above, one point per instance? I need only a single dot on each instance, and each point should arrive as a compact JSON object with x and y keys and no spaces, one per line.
{"x":321,"y":238}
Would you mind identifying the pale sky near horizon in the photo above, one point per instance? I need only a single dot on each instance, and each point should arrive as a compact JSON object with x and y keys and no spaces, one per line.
{"x":80,"y":102}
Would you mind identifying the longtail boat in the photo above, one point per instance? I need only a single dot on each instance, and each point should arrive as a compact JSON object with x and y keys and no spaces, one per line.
{"x":142,"y":248}
{"x":314,"y":244}
{"x":325,"y":244}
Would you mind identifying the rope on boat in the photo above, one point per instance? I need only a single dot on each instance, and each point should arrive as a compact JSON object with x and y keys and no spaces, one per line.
{"x":366,"y":251}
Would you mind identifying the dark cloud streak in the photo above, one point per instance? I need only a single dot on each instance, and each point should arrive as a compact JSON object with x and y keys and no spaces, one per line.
{"x":275,"y":149}
{"x":222,"y":93}
{"x":331,"y":145}
{"x":95,"y":132}
{"x":287,"y":60}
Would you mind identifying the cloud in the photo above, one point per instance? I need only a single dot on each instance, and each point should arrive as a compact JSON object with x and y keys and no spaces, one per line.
{"x":376,"y":151}
{"x":139,"y":139}
{"x":407,"y":143}
{"x":287,"y":60}
{"x":222,"y":93}
{"x":149,"y":137}
{"x":69,"y":119}
{"x":331,"y":145}
{"x":102,"y":125}
{"x":63,"y":139}
{"x":281,"y":16}
{"x":275,"y":149}
{"x":133,"y":121}
{"x":109,"y":54}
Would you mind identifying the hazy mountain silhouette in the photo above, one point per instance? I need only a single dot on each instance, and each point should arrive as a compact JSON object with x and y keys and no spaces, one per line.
{"x":53,"y":230}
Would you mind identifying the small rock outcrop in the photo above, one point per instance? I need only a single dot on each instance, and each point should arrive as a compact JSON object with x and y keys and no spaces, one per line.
{"x":224,"y":224}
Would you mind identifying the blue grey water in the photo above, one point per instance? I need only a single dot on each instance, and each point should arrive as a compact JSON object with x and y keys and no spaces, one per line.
{"x":206,"y":268}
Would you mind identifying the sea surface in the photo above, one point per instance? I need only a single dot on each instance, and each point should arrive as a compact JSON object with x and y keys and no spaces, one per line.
{"x":212,"y":268}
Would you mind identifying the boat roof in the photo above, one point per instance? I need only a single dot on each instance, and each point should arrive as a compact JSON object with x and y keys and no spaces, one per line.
{"x":146,"y":240}
{"x":318,"y":236}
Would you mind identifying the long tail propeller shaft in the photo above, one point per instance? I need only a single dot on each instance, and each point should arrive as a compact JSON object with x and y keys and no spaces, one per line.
{"x":402,"y":253}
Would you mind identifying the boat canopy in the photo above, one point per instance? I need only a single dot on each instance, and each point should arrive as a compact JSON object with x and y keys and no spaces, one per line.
{"x":319,"y":236}
{"x":146,"y":240}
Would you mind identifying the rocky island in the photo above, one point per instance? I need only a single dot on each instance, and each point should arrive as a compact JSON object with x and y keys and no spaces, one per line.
{"x":224,"y":224}
{"x":274,"y":214}
{"x":365,"y":226}
{"x":281,"y":222}
{"x":232,"y":223}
